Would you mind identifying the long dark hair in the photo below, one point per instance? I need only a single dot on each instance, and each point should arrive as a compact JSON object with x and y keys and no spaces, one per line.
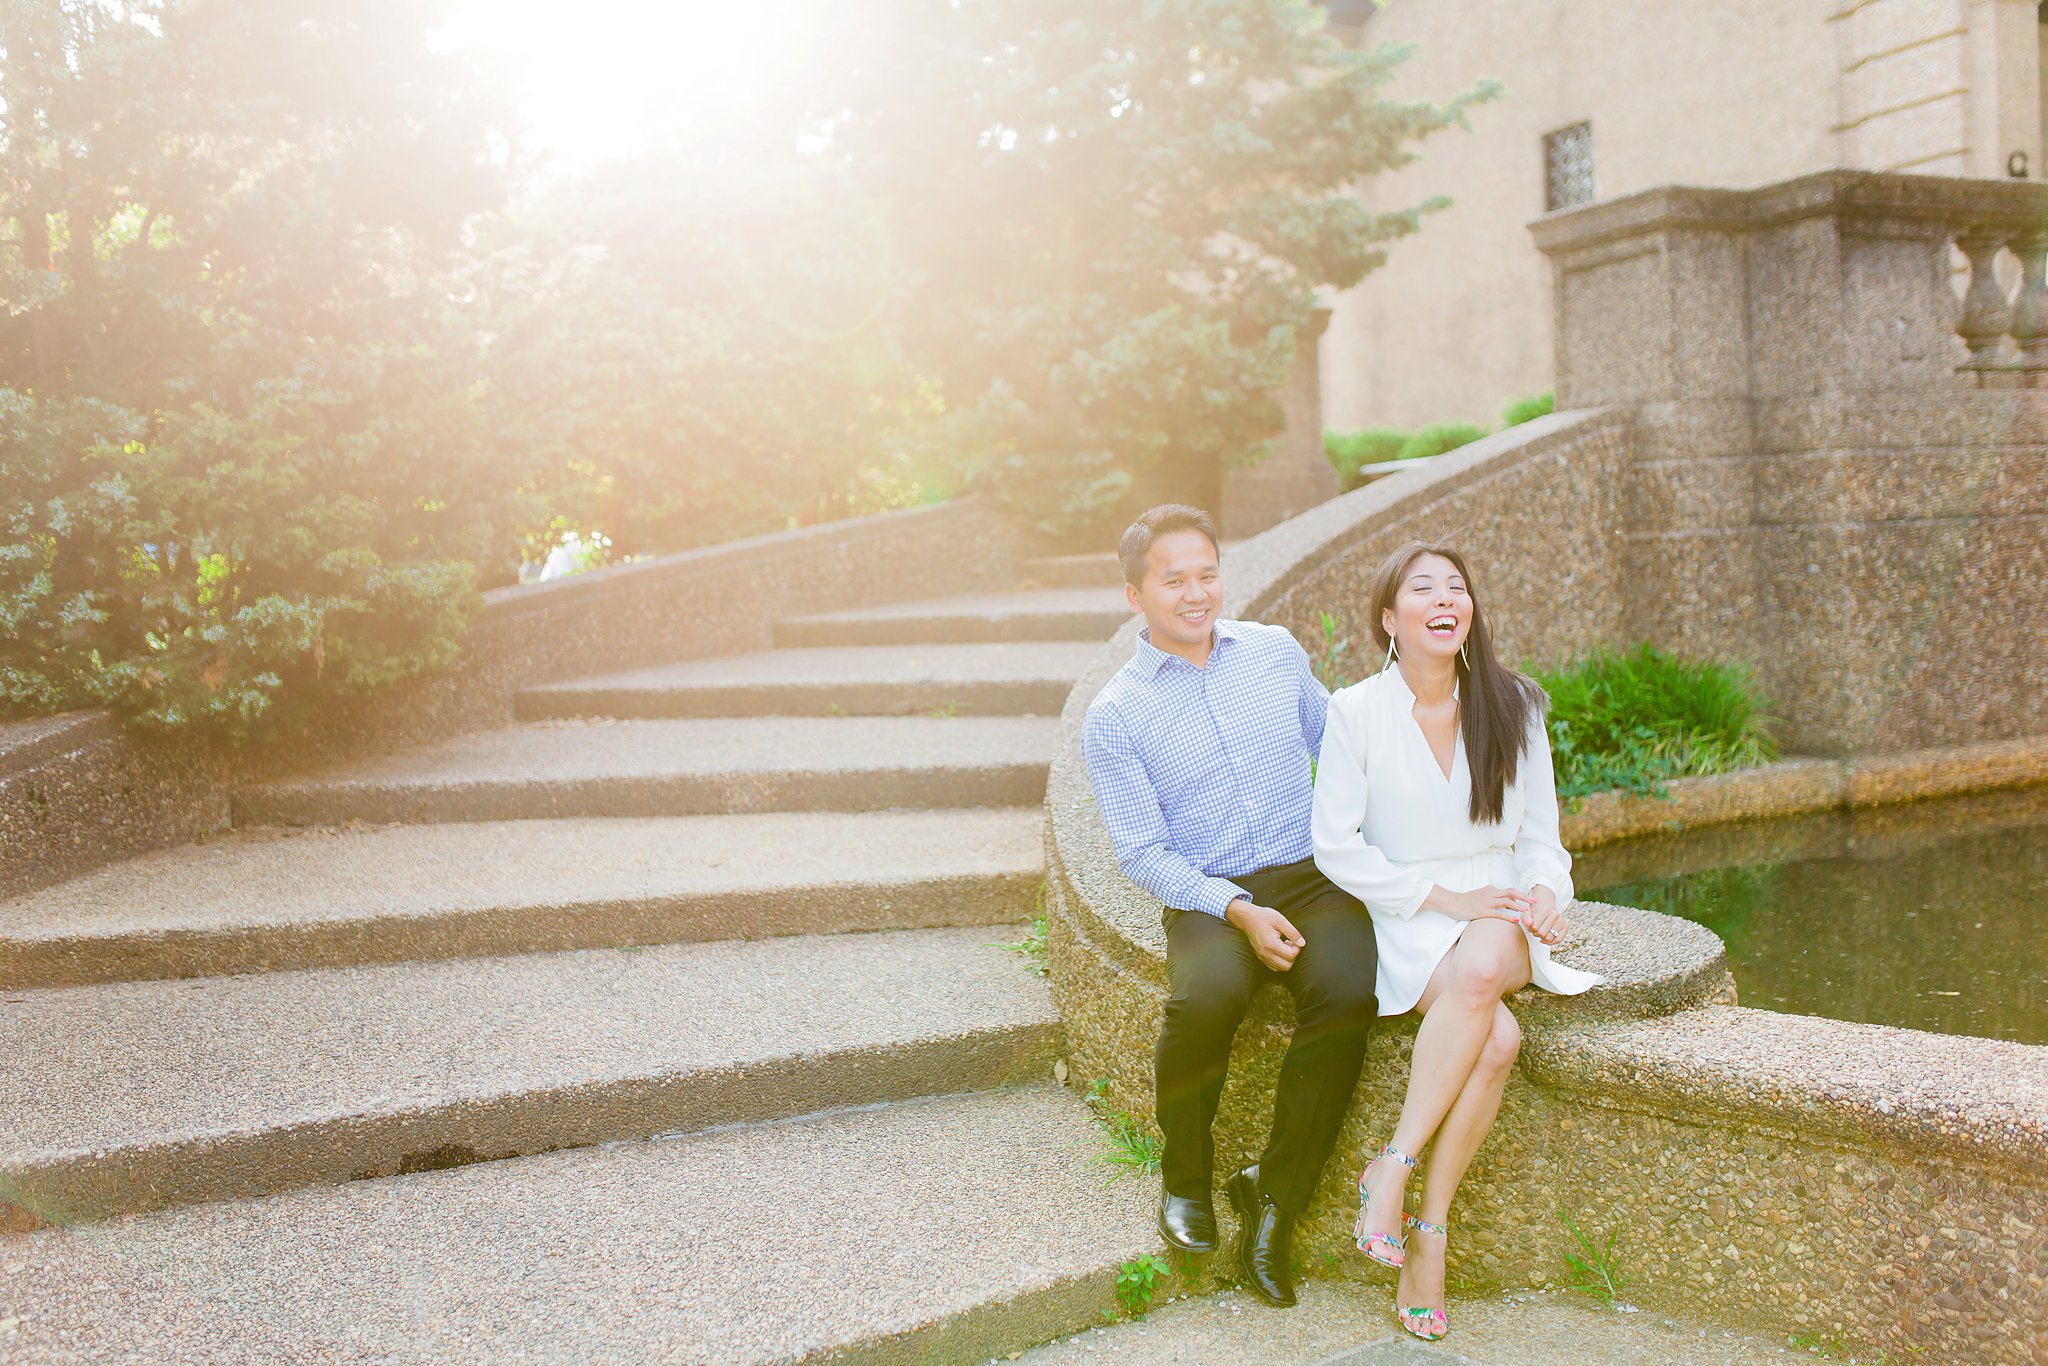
{"x":1496,"y":702}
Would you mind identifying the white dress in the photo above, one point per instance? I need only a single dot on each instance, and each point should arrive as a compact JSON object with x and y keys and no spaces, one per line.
{"x":1388,"y":825}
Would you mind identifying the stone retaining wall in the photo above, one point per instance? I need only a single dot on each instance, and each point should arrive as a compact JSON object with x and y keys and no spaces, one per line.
{"x":77,"y":792}
{"x":1784,"y":1173}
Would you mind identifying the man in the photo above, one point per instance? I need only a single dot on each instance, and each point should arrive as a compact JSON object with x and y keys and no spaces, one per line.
{"x":1199,"y":753}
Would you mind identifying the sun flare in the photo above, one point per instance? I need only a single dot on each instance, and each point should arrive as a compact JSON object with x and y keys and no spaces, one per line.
{"x":602,"y":78}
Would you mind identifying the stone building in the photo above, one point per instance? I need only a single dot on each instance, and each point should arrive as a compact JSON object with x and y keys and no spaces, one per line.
{"x":1604,"y":98}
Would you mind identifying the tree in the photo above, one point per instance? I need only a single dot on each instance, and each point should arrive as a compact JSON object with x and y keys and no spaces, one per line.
{"x":240,"y":446}
{"x":1114,"y":216}
{"x":701,"y":349}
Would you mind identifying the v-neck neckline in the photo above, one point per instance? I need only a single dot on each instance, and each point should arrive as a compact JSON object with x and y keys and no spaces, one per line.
{"x":1457,"y":731}
{"x":1457,"y":742}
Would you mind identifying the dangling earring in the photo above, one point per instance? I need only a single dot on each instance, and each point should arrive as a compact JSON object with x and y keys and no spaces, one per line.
{"x":1390,"y":655}
{"x":1461,"y":657}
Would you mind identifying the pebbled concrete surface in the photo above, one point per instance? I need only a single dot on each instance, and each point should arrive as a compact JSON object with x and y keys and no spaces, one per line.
{"x":267,"y":899}
{"x":1350,"y":1323}
{"x":137,"y":1095}
{"x":1088,"y":569}
{"x":994,"y":679}
{"x":677,"y":768}
{"x":947,"y":1230}
{"x":1091,"y":613}
{"x":1873,"y":1085}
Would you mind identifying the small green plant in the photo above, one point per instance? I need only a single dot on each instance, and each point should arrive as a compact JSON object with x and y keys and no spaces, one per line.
{"x":1439,"y":437}
{"x":1137,"y":1281}
{"x":1527,"y":409}
{"x":947,"y":709}
{"x":1326,"y":668}
{"x":1594,"y":1268}
{"x":1132,"y":1147}
{"x":834,"y":709}
{"x":1631,"y":720}
{"x":1350,"y":452}
{"x":1032,"y":946}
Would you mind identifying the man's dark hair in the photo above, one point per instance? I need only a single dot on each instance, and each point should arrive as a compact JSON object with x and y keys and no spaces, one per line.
{"x":1163,"y":520}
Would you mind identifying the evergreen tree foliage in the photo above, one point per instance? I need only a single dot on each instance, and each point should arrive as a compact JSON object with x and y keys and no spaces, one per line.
{"x":1114,"y":216}
{"x":239,"y":439}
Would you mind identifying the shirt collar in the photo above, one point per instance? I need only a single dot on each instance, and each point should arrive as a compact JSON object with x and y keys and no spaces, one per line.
{"x":1156,"y":659}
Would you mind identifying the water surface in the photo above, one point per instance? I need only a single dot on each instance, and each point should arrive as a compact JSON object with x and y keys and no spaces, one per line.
{"x":1930,"y":916}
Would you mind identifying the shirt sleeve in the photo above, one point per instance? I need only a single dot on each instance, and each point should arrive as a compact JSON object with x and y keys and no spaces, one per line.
{"x":1341,"y":850}
{"x":1314,"y":701}
{"x":1137,"y":826}
{"x":1540,"y":856}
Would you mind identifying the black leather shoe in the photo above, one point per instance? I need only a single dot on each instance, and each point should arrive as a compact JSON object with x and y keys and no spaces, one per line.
{"x":1187,"y":1223}
{"x":1264,"y":1240}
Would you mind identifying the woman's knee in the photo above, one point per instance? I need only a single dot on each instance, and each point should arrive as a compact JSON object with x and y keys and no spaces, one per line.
{"x":1503,"y":1043}
{"x":1488,"y":968}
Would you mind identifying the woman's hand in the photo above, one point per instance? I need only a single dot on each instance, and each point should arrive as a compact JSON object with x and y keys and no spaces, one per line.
{"x":1545,"y":920}
{"x":1481,"y":903}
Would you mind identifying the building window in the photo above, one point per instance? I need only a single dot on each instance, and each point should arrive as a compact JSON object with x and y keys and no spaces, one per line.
{"x":1568,"y":167}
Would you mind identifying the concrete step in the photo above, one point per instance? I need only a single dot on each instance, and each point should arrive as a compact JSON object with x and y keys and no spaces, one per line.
{"x":265,"y":900}
{"x":1094,"y":569}
{"x":1007,"y":678}
{"x":1090,"y":613}
{"x":677,"y":768}
{"x":137,"y":1095}
{"x":947,"y":1230}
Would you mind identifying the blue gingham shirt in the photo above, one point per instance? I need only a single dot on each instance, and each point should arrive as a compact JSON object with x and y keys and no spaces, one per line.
{"x":1202,"y":775}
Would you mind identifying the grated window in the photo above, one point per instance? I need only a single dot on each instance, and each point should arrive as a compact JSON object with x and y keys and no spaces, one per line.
{"x":1568,"y":167}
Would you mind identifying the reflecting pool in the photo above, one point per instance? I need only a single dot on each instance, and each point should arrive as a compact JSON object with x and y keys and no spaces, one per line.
{"x":1929,"y":916}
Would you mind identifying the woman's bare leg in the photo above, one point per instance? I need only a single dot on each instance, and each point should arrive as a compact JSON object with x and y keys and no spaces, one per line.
{"x":1489,"y":960}
{"x":1457,"y":1139}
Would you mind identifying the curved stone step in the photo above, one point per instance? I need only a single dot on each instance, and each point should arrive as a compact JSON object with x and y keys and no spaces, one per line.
{"x":1090,"y":613}
{"x":1000,"y":679}
{"x":1090,"y":569}
{"x":138,"y":1095}
{"x":947,"y":1230}
{"x":267,"y":900}
{"x":677,"y":768}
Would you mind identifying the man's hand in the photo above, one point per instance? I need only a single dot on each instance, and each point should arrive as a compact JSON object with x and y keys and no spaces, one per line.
{"x":1274,"y":939}
{"x":1545,"y":920}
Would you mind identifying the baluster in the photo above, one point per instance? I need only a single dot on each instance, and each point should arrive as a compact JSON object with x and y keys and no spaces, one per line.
{"x":2030,"y":307}
{"x":1986,"y":316}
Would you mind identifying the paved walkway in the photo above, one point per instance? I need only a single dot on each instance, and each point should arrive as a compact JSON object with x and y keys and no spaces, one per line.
{"x":1345,"y":1323}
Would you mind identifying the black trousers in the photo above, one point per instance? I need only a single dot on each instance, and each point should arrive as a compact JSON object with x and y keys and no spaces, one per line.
{"x":1211,"y":976}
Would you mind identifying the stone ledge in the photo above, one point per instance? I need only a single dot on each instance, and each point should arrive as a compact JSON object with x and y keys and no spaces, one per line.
{"x":1801,"y":785}
{"x":1968,"y":1099}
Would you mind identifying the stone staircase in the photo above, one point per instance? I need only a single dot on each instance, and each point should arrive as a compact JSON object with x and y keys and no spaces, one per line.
{"x":672,"y":1022}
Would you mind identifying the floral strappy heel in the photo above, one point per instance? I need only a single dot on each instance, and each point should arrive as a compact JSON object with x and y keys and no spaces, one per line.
{"x":1384,"y":1248}
{"x":1427,"y":1324}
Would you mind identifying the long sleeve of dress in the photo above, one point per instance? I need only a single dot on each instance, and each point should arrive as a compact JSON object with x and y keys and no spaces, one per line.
{"x":1341,"y":851}
{"x":1137,"y":826}
{"x":1540,"y":855}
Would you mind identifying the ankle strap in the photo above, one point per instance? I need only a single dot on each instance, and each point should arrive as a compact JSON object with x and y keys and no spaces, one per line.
{"x":1425,"y":1225}
{"x":1389,"y":1150}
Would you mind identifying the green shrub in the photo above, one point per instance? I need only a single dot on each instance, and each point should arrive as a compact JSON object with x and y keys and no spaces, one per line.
{"x":1633,"y":719}
{"x":1350,"y":451}
{"x":1526,"y":409}
{"x":1439,"y":437}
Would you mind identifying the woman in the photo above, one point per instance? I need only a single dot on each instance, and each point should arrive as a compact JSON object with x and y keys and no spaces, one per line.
{"x":1435,"y":805}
